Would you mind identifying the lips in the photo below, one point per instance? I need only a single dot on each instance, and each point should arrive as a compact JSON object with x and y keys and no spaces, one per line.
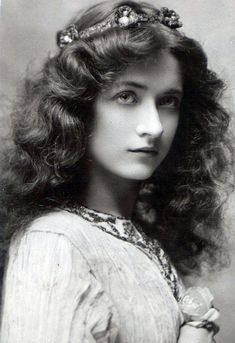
{"x":146,"y":150}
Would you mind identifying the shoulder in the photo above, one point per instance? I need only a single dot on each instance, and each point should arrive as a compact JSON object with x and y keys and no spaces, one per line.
{"x":46,"y":249}
{"x":57,"y":222}
{"x":58,"y":230}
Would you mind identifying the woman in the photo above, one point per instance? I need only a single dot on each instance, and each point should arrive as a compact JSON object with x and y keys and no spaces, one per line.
{"x":111,"y":188}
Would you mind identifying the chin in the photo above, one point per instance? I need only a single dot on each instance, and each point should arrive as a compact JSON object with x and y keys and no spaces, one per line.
{"x":138,"y":174}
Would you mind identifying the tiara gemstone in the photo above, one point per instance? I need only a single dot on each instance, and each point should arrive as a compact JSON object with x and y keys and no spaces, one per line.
{"x":124,"y":21}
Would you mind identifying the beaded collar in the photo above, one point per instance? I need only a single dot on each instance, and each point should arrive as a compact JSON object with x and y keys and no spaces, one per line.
{"x":124,"y":229}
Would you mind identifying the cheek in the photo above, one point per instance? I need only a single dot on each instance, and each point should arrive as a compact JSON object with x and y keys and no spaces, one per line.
{"x":104,"y":139}
{"x":170,"y":124}
{"x":104,"y":133}
{"x":111,"y":128}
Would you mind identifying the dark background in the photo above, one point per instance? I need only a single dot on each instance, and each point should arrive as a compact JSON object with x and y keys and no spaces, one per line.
{"x":28,"y":34}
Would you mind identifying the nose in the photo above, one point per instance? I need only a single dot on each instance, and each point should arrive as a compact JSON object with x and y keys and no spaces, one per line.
{"x":150,"y":123}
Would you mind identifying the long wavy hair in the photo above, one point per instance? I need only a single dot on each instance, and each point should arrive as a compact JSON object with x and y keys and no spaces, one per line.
{"x":181,"y":203}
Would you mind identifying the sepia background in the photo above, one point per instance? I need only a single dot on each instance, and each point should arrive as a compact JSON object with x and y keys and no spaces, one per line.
{"x":28,"y":34}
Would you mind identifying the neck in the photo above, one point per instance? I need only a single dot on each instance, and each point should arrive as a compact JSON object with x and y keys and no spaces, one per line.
{"x":111,"y":194}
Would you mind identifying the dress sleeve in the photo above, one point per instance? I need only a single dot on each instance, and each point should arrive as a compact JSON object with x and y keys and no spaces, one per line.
{"x":51,"y":296}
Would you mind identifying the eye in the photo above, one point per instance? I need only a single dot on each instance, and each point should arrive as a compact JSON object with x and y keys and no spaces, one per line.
{"x":127,"y":98}
{"x":170,"y":101}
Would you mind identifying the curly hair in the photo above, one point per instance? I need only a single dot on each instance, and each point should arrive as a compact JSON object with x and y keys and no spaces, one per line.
{"x":180,"y":204}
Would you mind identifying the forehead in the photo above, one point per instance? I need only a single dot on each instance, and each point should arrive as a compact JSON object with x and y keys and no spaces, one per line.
{"x":158,"y":74}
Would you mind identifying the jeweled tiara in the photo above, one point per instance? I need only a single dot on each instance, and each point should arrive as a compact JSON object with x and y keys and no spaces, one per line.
{"x":124,"y":17}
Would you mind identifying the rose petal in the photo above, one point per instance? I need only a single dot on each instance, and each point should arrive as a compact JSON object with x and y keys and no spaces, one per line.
{"x":212,"y":315}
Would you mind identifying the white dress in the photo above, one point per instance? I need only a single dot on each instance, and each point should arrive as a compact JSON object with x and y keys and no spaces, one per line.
{"x":88,"y":277}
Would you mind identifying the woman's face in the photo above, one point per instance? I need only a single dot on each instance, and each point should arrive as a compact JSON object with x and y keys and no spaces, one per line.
{"x":136,"y":118}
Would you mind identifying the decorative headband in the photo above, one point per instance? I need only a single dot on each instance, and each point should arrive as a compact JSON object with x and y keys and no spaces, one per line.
{"x":124,"y":17}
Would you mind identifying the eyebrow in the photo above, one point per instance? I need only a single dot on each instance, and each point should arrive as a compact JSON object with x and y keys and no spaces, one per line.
{"x":172,"y":90}
{"x":132,"y":84}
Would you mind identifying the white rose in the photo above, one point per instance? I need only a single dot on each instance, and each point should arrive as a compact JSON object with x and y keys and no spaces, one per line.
{"x":196,"y":302}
